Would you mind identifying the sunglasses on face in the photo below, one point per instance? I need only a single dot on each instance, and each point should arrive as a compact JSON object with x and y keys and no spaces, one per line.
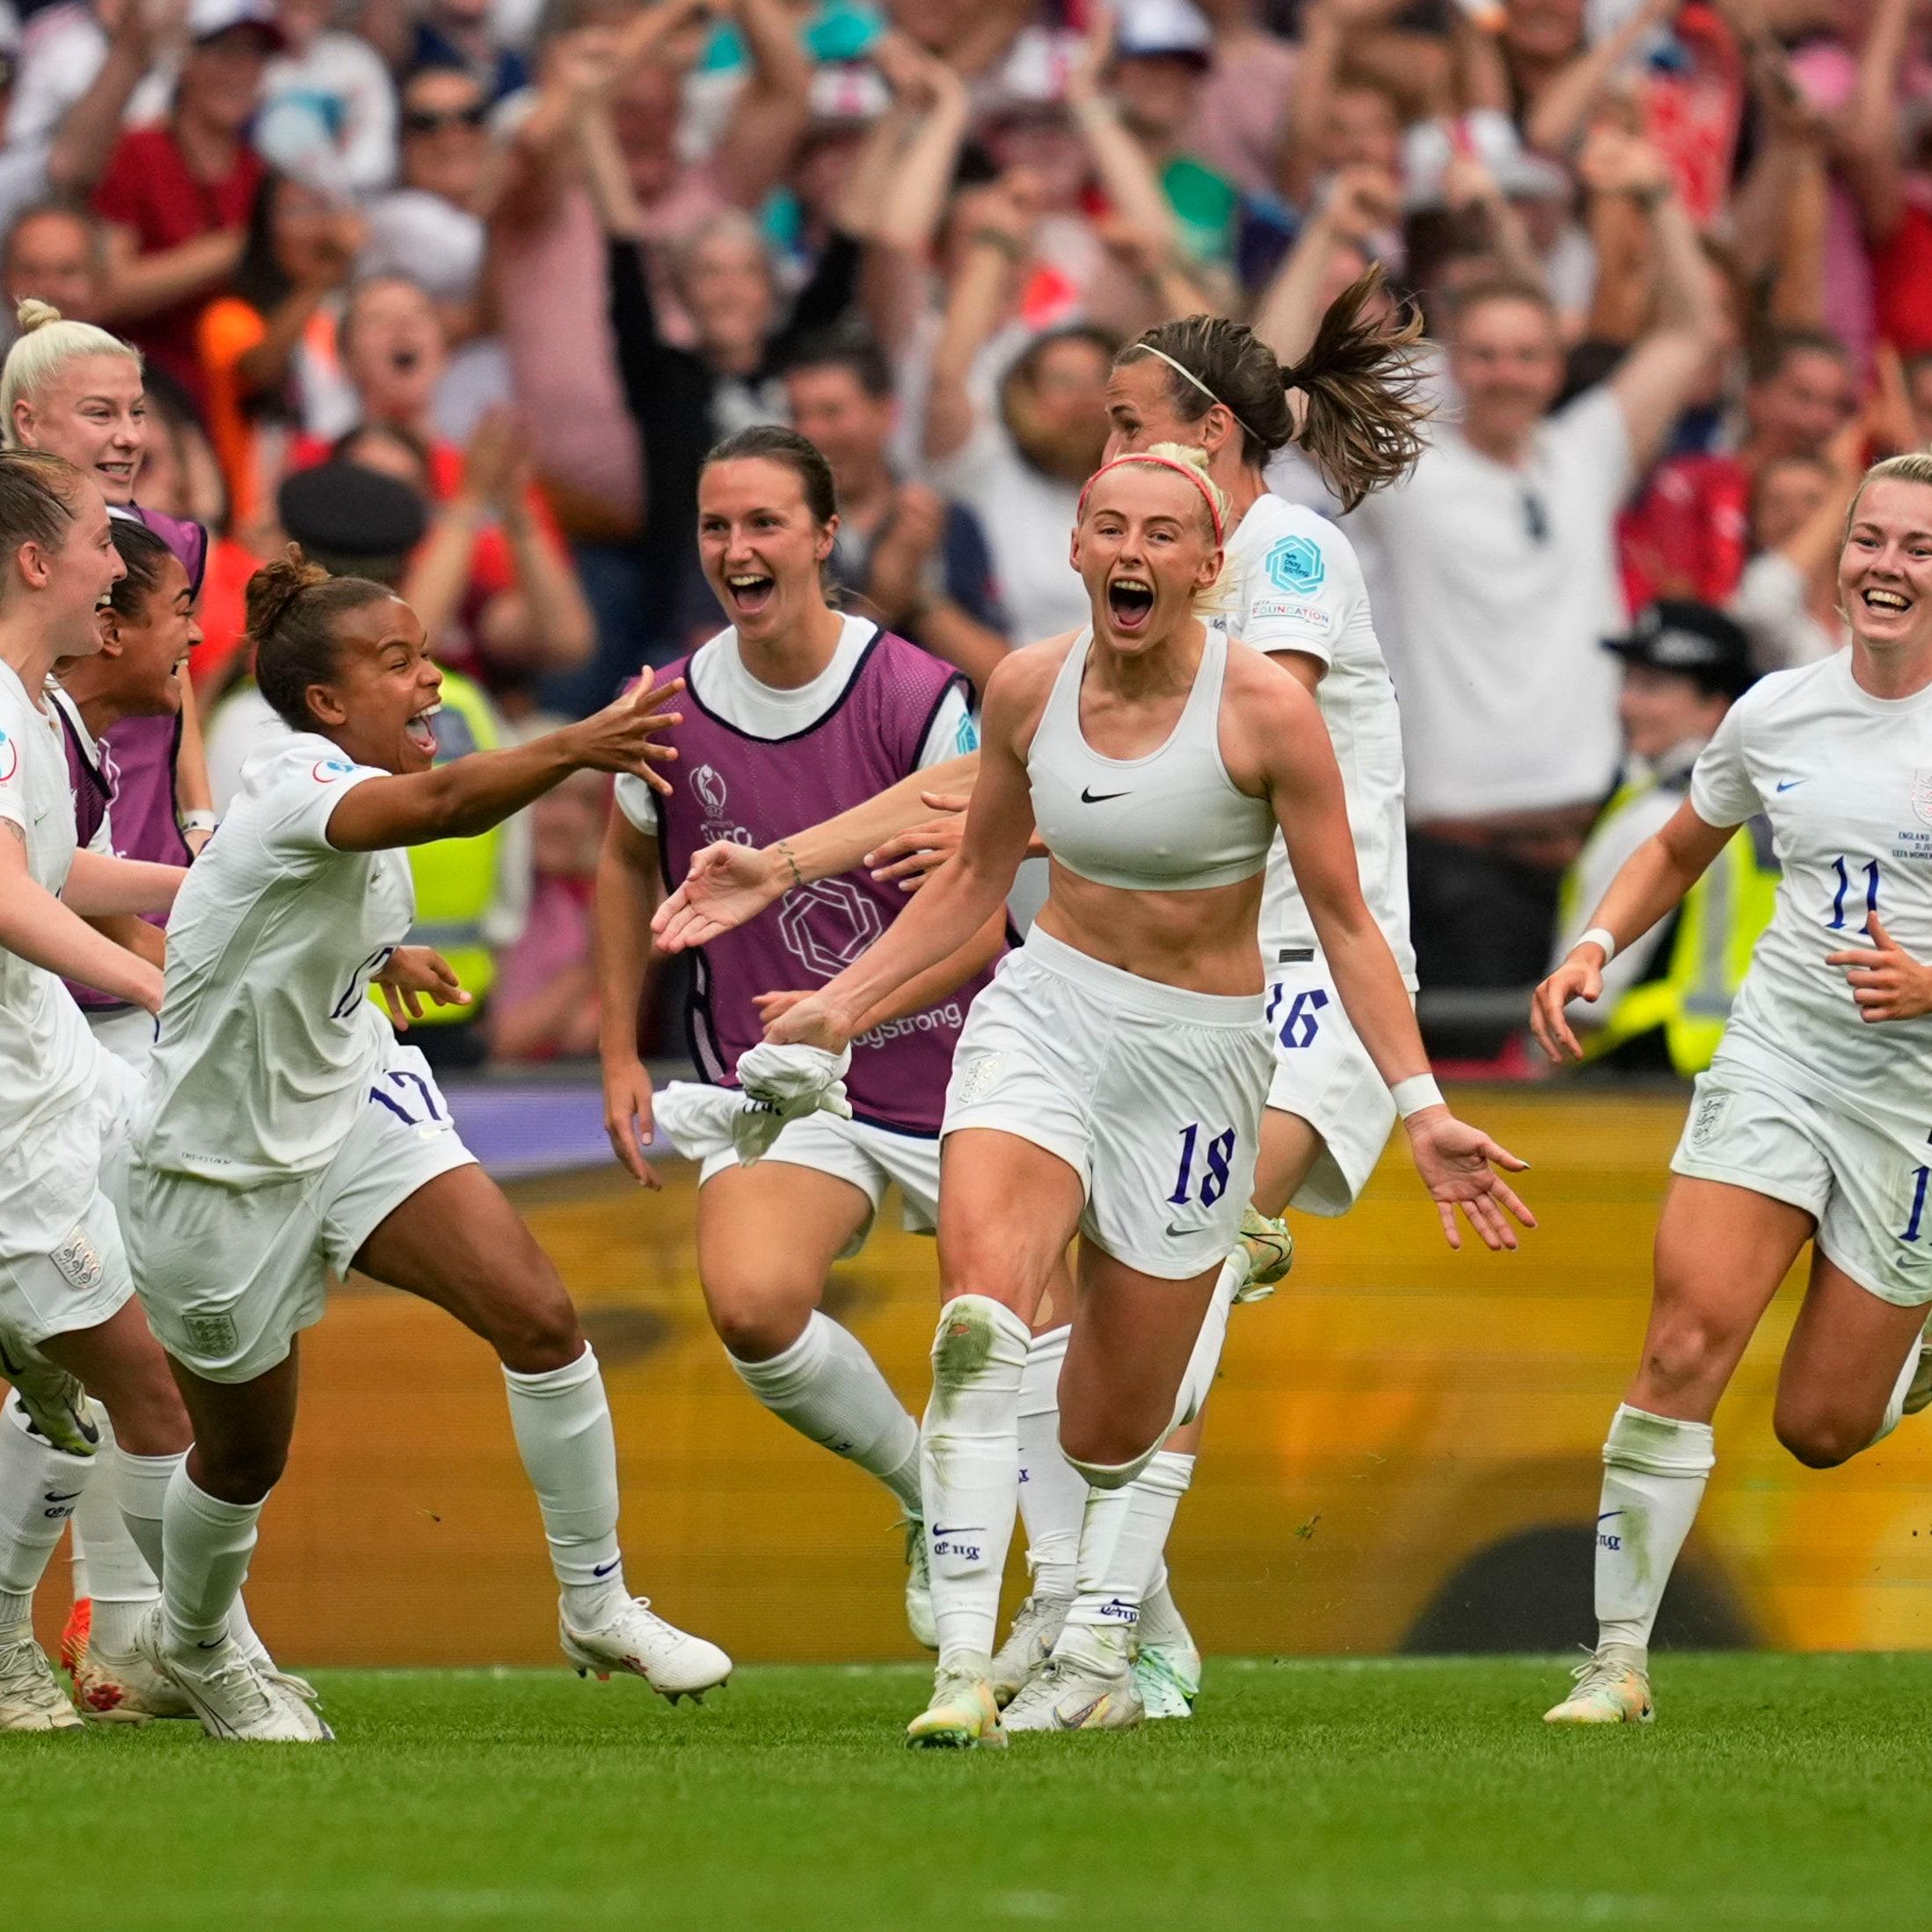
{"x":433,"y":120}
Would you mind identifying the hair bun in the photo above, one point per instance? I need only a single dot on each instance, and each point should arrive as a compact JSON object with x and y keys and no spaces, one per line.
{"x":275,"y":585}
{"x":32,"y":315}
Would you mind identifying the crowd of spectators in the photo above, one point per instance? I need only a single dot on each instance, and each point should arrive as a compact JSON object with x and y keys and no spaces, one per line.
{"x":523,"y":261}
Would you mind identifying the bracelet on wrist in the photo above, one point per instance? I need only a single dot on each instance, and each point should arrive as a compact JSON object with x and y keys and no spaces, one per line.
{"x":198,"y":821}
{"x":783,"y":850}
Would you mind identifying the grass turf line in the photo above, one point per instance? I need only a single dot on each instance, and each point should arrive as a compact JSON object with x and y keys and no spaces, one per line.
{"x":1773,"y":1791}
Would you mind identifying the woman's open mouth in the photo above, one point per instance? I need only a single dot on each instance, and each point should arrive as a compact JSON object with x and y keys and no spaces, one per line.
{"x":420,"y":733}
{"x":1884,"y":601}
{"x":749,"y":592}
{"x":1130,"y":602}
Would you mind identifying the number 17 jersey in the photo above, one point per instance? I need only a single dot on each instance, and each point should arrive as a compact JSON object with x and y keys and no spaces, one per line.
{"x":267,"y":1040}
{"x":1846,"y":780}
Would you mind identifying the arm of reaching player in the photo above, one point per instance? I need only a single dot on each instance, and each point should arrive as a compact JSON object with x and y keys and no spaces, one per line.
{"x":925,"y":989}
{"x":628,"y":885}
{"x":729,"y":885}
{"x":1886,"y":980}
{"x":1457,"y":1162}
{"x":99,"y":884}
{"x":1650,"y":885}
{"x":459,"y":801}
{"x":963,"y":897}
{"x":45,"y":933}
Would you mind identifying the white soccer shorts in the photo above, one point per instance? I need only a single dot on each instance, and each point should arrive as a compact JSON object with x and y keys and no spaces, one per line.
{"x":697,"y":1119}
{"x":1864,"y":1185}
{"x":1152,"y":1094}
{"x":1323,"y":1075}
{"x":230,"y":1276}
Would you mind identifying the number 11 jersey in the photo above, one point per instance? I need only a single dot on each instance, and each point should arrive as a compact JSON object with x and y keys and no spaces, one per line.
{"x":1846,"y":780}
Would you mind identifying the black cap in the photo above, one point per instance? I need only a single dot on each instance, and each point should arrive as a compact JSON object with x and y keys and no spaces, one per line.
{"x":1693,"y":640}
{"x":341,"y":510}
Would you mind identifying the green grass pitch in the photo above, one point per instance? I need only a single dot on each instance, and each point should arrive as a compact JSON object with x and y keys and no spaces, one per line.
{"x":1775,"y":1791}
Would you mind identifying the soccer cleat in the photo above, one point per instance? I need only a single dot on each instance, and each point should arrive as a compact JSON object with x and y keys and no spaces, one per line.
{"x":1269,"y":1248}
{"x":31,"y":1697}
{"x":1611,"y":1690}
{"x":1167,"y":1678}
{"x":1073,"y":1694}
{"x":55,"y":1403}
{"x":75,"y":1634}
{"x":961,"y":1717}
{"x":227,"y":1691}
{"x":1036,"y":1624}
{"x":1918,"y":1394}
{"x":672,"y":1662}
{"x":125,"y":1690}
{"x":919,"y":1617}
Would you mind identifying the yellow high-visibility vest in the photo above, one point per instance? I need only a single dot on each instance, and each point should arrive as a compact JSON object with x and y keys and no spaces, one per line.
{"x":1718,"y":927}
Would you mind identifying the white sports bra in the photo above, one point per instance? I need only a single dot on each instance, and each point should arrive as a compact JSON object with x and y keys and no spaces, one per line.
{"x":1170,"y":821}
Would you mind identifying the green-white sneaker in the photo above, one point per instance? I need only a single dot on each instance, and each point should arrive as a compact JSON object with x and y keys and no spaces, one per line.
{"x":1036,"y":1624}
{"x":1613,"y":1688}
{"x":1167,"y":1678}
{"x":962,"y":1716}
{"x":1090,"y":1689}
{"x":54,"y":1401}
{"x":919,"y":1617}
{"x":1269,"y":1246}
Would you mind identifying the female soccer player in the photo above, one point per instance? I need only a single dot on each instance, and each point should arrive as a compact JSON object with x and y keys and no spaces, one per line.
{"x":65,"y":1291}
{"x":797,"y":713}
{"x":285,"y":1133}
{"x":1110,"y":1082}
{"x":1811,"y":1124}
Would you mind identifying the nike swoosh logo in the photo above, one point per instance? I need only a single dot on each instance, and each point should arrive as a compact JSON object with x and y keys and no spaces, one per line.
{"x":213,"y":1643}
{"x":1174,"y":1231}
{"x":604,"y":1569}
{"x":957,"y":1529}
{"x":1607,"y":1515}
{"x":1098,"y":798}
{"x":61,"y":1496}
{"x":1785,"y":784}
{"x":1079,"y":1717}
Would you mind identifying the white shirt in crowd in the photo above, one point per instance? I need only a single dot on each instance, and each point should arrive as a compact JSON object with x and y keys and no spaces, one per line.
{"x":268,"y":1039}
{"x":718,"y":680}
{"x":1495,"y":588}
{"x":1772,"y":601}
{"x":1299,"y":587}
{"x":50,"y":1144}
{"x":1846,"y":780}
{"x":343,"y":79}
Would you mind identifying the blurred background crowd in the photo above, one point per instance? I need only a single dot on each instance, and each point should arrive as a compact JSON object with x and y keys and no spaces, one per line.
{"x":457,"y":292}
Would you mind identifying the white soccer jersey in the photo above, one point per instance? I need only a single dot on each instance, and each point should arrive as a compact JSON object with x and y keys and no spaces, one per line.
{"x":267,"y":1039}
{"x":1299,"y":586}
{"x":1846,"y":780}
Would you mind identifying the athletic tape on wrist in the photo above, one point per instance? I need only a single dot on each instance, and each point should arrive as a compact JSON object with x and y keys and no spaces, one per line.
{"x":1600,"y":935}
{"x":1418,"y":1092}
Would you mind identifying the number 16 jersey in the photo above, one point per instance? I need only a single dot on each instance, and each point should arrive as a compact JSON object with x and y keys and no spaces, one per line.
{"x":1846,"y":780}
{"x":267,"y":1040}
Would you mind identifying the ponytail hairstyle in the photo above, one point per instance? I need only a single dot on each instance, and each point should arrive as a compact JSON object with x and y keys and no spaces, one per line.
{"x":145,"y":556}
{"x":1360,"y":419}
{"x":44,"y":343}
{"x":1192,"y":461}
{"x":37,"y":491}
{"x":292,"y":607}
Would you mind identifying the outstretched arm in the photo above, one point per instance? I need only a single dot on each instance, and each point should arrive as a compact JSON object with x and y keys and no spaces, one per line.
{"x":459,"y":801}
{"x":1652,"y":885}
{"x":43,"y":931}
{"x":628,"y":885}
{"x":99,"y":884}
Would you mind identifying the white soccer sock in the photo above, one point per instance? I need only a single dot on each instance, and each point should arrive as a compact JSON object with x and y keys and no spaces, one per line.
{"x":208,"y":1543}
{"x":119,"y":1580}
{"x":78,"y":1582}
{"x":140,"y":1482}
{"x":1052,"y":1492}
{"x":1161,"y":1620}
{"x":1201,"y":1365}
{"x":1120,"y":1546}
{"x":1895,"y":1408}
{"x":969,"y":1463}
{"x":828,"y":1388}
{"x":562,"y":1423}
{"x":1654,"y":1471}
{"x":39,"y":1487}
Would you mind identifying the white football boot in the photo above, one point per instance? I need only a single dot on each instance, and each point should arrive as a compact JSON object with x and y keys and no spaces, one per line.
{"x":919,"y":1617}
{"x":1268,"y":1246}
{"x":235,"y":1701}
{"x":1613,"y":1688}
{"x":31,"y":1697}
{"x":55,"y":1403}
{"x":1028,"y":1643}
{"x":125,"y":1690}
{"x":672,"y":1662}
{"x":961,"y":1715}
{"x":1073,"y":1693}
{"x":1167,"y":1676}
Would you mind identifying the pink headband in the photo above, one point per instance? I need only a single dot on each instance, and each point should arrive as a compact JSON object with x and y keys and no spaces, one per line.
{"x":1186,"y":469}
